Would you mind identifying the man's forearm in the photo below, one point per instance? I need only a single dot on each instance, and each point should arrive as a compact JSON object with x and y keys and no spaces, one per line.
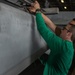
{"x":49,"y":23}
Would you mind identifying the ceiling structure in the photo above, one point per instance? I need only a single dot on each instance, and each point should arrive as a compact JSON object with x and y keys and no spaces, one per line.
{"x":63,"y":5}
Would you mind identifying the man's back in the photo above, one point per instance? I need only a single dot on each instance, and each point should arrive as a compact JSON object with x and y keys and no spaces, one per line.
{"x":61,"y":55}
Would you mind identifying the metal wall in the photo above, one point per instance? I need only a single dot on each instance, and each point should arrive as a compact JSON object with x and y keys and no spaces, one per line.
{"x":19,"y":40}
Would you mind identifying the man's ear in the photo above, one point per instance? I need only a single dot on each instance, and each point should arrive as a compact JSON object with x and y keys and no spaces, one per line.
{"x":69,"y":34}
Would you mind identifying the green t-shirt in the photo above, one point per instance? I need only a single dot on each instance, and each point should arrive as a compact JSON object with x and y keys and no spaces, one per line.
{"x":62,"y":51}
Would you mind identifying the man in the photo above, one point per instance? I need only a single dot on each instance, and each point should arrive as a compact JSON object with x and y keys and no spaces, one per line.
{"x":72,"y":68}
{"x":62,"y":51}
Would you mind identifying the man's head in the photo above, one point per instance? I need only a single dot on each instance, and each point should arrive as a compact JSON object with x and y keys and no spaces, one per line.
{"x":68,"y":32}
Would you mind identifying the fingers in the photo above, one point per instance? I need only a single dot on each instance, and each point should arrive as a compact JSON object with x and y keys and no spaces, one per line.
{"x":36,"y":5}
{"x":36,"y":1}
{"x":31,"y":9}
{"x":32,"y":4}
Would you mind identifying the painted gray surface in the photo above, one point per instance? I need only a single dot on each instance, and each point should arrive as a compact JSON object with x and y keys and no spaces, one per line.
{"x":19,"y":38}
{"x":63,"y":17}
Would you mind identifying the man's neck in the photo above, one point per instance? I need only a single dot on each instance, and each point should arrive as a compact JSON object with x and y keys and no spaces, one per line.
{"x":69,"y":40}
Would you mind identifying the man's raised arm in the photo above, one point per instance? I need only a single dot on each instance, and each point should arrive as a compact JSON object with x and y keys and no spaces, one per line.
{"x":35,"y":6}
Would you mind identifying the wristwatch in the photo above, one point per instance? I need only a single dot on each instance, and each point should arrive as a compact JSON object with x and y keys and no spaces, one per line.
{"x":38,"y":10}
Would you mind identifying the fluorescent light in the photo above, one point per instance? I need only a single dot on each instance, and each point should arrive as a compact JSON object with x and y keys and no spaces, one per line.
{"x":62,"y":1}
{"x":65,"y":7}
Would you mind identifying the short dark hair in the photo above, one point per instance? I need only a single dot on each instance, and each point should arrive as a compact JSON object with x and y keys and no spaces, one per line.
{"x":73,"y":19}
{"x":72,"y":29}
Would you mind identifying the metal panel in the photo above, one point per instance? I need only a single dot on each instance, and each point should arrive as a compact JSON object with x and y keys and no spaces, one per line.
{"x":62,"y":18}
{"x":19,"y":39}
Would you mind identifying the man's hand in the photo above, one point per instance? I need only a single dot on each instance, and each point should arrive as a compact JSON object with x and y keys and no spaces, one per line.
{"x":34,"y":7}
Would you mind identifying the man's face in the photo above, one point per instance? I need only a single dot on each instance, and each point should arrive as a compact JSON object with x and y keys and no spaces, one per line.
{"x":66,"y":30}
